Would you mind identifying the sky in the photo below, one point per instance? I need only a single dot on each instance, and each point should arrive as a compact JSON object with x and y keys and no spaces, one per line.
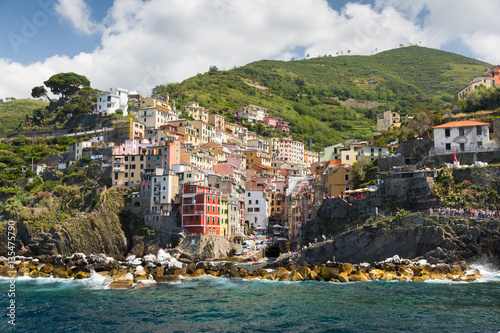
{"x":136,"y":45}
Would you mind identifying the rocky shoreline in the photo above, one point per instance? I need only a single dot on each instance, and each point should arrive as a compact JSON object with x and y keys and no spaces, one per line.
{"x":166,"y":268}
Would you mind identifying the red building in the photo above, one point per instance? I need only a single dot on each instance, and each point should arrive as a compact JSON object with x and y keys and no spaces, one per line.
{"x":200,"y":210}
{"x":284,"y":126}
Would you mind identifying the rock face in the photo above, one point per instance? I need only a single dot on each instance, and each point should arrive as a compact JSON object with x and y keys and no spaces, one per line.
{"x":332,"y":217}
{"x":443,"y":239}
{"x":200,"y":247}
{"x":101,"y":231}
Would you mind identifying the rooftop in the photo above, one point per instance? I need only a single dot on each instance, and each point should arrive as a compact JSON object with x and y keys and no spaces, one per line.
{"x":466,"y":123}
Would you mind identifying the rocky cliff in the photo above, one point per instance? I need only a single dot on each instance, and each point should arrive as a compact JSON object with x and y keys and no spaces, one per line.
{"x":436,"y":239}
{"x":107,"y":229}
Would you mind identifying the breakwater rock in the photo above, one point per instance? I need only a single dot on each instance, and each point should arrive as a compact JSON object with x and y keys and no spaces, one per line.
{"x":136,"y":272}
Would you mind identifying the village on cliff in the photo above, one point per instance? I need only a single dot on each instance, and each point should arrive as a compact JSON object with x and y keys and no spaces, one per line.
{"x":195,"y":174}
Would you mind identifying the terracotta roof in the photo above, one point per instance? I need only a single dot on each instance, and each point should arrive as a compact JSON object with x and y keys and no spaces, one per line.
{"x":466,"y":123}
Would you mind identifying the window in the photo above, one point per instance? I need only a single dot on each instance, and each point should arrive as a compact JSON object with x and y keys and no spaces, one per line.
{"x":256,"y":209}
{"x":249,"y":202}
{"x":448,"y":146}
{"x":250,"y":210}
{"x":126,"y":174}
{"x":248,"y":193}
{"x":126,"y":158}
{"x":191,"y":188}
{"x":346,"y":177}
{"x":347,"y":157}
{"x":479,"y":143}
{"x":131,"y":174}
{"x":116,"y":175}
{"x":447,"y":132}
{"x":256,"y":202}
{"x":462,"y":146}
{"x":461,"y":131}
{"x":479,"y":130}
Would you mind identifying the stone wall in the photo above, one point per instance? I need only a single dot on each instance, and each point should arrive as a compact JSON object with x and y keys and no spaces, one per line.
{"x":168,"y":228}
{"x":469,"y":158}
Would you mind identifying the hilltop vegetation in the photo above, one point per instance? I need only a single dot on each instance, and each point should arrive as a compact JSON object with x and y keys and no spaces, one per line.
{"x":306,"y":92}
{"x":13,"y":112}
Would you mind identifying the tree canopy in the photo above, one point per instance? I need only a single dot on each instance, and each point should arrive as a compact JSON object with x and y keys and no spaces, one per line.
{"x":39,"y":91}
{"x":66,"y":84}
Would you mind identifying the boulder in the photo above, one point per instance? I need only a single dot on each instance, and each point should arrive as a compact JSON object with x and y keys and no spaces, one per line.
{"x":60,"y":272}
{"x":36,"y":274}
{"x":296,"y":276}
{"x":343,"y":277}
{"x":121,"y":284}
{"x":375,"y":274}
{"x":421,"y":278}
{"x":157,"y":272}
{"x":327,"y":273}
{"x":82,"y":275}
{"x":386,"y":277}
{"x":23,"y":271}
{"x":358,"y":276}
{"x":213,"y":273}
{"x":168,"y":279}
{"x":47,"y":268}
{"x":120,"y":275}
{"x":144,"y":284}
{"x":197,"y":272}
{"x":346,"y":268}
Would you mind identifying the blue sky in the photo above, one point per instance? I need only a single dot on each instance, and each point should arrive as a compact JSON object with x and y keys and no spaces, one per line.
{"x":138,"y":44}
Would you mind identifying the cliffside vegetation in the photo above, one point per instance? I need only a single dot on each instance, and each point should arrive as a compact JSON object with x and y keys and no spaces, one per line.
{"x":14,"y":111}
{"x":307,"y":93}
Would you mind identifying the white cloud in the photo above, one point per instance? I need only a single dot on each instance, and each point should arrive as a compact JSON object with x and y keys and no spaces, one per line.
{"x":78,"y":14}
{"x":144,"y":44}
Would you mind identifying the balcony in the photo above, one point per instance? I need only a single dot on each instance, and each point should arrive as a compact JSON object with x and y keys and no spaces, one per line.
{"x":118,"y":169}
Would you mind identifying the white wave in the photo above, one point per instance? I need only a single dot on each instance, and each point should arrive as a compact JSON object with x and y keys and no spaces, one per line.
{"x":488,"y":271}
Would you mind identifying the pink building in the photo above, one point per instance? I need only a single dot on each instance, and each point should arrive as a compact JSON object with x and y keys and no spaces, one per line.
{"x":284,"y":126}
{"x":171,"y":153}
{"x":131,"y":147}
{"x":291,"y":151}
{"x":217,"y":120}
{"x":268,"y":120}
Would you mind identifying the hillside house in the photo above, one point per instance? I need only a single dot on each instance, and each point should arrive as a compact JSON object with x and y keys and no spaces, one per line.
{"x":461,"y":136}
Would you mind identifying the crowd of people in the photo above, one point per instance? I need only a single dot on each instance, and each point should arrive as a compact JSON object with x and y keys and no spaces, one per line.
{"x":465,"y":212}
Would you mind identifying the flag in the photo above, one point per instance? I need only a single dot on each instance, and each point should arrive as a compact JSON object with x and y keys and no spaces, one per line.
{"x":359,"y":197}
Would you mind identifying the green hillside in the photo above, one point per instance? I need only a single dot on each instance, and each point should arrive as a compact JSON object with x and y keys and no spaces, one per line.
{"x":303,"y":92}
{"x":12,"y":113}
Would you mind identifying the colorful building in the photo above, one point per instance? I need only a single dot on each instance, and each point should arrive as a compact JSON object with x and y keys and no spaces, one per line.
{"x":200,"y":210}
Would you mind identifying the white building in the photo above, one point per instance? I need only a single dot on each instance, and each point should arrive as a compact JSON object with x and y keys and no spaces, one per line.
{"x":256,"y":210}
{"x":154,"y":117}
{"x":76,"y":150}
{"x":158,"y":190}
{"x":112,"y":100}
{"x":252,"y":113}
{"x":461,"y":136}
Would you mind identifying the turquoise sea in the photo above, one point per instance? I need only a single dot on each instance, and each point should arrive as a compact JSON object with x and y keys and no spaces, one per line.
{"x":210,"y":304}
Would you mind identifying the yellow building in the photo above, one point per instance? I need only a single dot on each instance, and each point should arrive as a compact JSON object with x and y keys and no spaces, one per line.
{"x":235,"y":129}
{"x":224,"y":218}
{"x":125,"y":129}
{"x":337,"y":180}
{"x":196,"y":111}
{"x":254,"y":156}
{"x":151,"y":102}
